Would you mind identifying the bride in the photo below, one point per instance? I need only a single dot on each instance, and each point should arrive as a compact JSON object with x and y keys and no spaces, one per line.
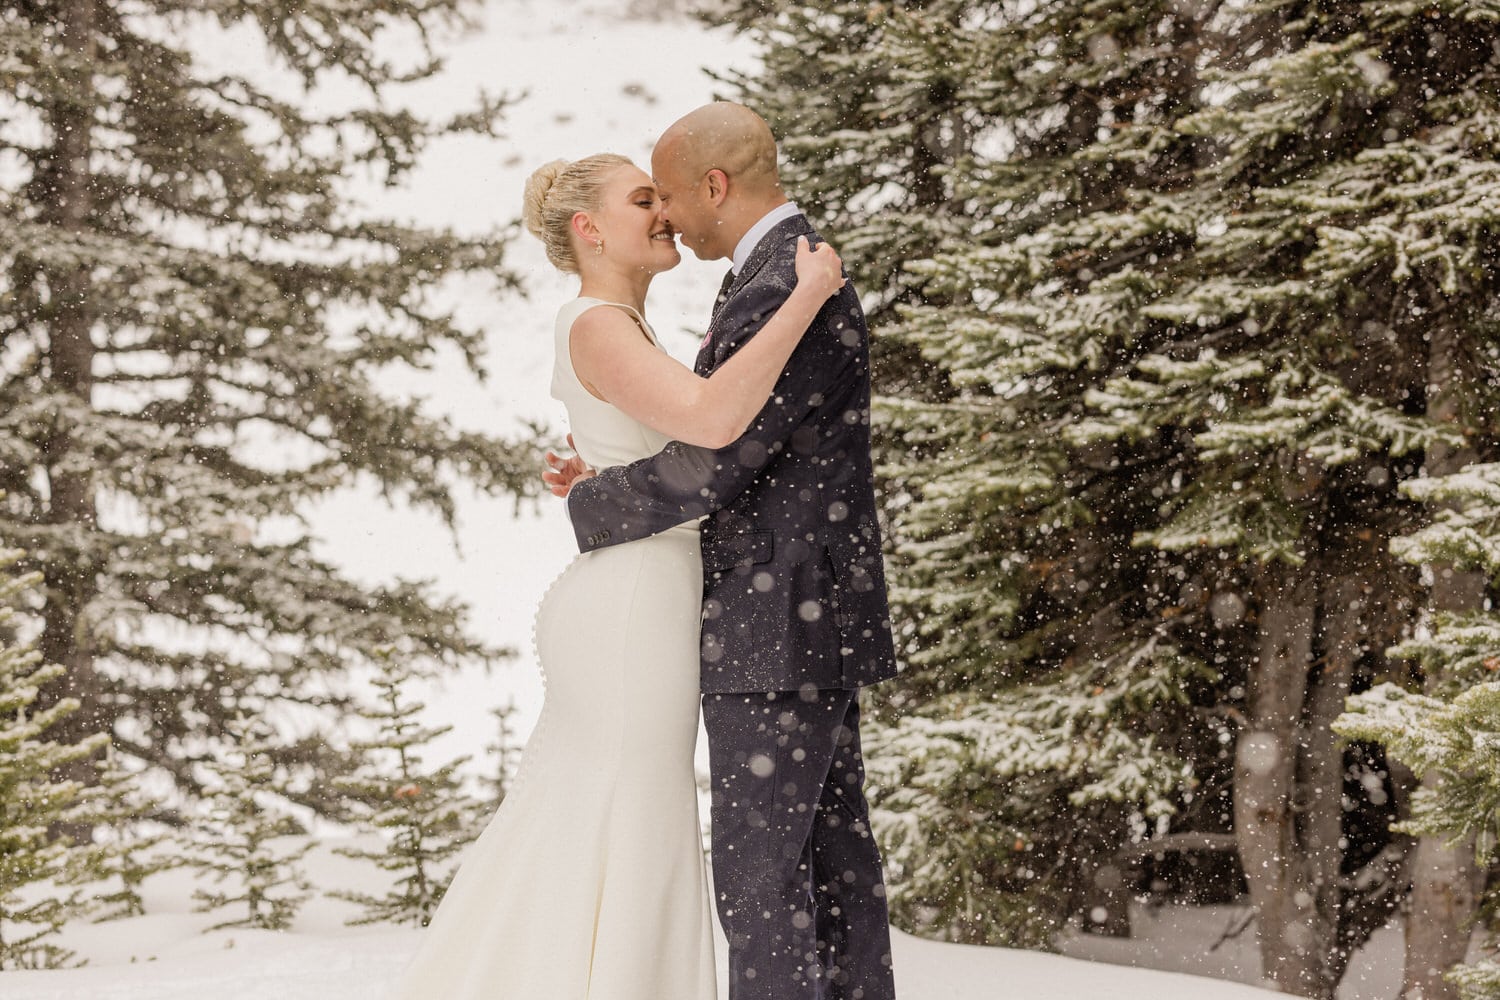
{"x":589,"y":880}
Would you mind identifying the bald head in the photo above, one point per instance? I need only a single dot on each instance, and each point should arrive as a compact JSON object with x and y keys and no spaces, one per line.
{"x":715,"y":172}
{"x":728,"y":137}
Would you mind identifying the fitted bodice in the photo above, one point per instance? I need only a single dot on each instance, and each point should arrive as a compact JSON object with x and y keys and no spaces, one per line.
{"x":603,"y":434}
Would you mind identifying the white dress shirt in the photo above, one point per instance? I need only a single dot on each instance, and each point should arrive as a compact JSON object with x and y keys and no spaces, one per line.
{"x":758,"y":232}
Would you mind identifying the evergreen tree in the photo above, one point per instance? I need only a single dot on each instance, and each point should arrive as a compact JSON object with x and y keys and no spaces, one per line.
{"x":124,"y":851}
{"x":864,"y":139}
{"x":1022,"y":619}
{"x":423,"y":811}
{"x":1200,"y":267}
{"x":197,"y":324}
{"x":1454,"y":737}
{"x":504,"y":751}
{"x":35,"y":902}
{"x":1451,"y":732}
{"x":1310,"y":360}
{"x":241,"y":843}
{"x":970,"y":793}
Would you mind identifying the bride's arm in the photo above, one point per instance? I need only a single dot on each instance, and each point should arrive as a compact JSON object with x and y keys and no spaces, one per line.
{"x":616,"y":363}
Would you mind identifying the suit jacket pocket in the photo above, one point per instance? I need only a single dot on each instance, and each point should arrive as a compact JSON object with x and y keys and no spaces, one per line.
{"x":721,"y":552}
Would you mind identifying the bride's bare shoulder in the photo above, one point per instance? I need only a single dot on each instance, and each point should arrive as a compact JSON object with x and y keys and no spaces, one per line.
{"x":604,"y":322}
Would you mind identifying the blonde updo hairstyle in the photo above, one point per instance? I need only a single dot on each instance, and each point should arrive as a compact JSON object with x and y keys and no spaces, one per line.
{"x":556,"y":192}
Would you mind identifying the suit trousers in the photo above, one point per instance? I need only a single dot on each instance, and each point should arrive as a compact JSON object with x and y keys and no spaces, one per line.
{"x":797,"y":874}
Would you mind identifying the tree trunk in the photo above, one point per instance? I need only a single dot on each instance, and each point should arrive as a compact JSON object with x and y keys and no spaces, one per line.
{"x":1104,"y":878}
{"x":70,"y":582}
{"x":1444,"y":879}
{"x":1441,"y":905}
{"x":1291,"y":928}
{"x":1341,"y":633}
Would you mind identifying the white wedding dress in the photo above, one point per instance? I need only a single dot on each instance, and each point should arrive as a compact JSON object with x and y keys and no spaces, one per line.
{"x":589,"y":881}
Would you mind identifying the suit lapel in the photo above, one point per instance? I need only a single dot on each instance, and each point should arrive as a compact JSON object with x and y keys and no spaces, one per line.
{"x":766,"y":249}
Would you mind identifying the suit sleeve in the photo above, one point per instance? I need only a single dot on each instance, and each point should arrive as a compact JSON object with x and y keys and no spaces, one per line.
{"x":683,"y":482}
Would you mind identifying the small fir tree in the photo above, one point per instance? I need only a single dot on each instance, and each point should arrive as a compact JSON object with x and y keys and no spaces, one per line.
{"x":423,"y":813}
{"x":124,"y":851}
{"x":242,"y":844}
{"x":35,"y":901}
{"x":503,"y":753}
{"x":980,"y":864}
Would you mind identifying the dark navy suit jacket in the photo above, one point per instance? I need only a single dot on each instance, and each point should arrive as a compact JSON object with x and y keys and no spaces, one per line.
{"x":793,"y":581}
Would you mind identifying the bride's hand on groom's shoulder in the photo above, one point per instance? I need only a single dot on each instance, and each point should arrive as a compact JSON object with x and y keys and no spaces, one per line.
{"x":820,"y":269}
{"x":562,"y":473}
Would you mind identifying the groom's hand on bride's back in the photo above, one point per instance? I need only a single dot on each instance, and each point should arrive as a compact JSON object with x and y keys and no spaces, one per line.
{"x":562,"y":472}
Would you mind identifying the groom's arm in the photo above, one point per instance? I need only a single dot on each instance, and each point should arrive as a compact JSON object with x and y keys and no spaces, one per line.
{"x":683,"y":482}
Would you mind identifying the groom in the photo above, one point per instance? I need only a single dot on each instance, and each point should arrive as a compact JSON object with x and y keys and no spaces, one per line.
{"x":794,"y":605}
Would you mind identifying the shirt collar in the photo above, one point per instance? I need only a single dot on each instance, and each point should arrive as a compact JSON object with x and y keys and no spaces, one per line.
{"x":758,"y":232}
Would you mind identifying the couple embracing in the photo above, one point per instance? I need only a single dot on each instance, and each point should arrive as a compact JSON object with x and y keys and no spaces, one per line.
{"x":730,"y":553}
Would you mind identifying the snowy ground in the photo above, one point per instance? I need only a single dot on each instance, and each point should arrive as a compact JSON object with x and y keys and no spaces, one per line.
{"x":354,"y":966}
{"x":165,"y":956}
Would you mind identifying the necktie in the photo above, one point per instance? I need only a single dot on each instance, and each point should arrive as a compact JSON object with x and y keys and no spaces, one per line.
{"x":718,"y":304}
{"x":723,"y":291}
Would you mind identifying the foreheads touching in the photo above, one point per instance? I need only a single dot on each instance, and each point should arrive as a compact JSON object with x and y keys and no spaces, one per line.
{"x":715,"y":175}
